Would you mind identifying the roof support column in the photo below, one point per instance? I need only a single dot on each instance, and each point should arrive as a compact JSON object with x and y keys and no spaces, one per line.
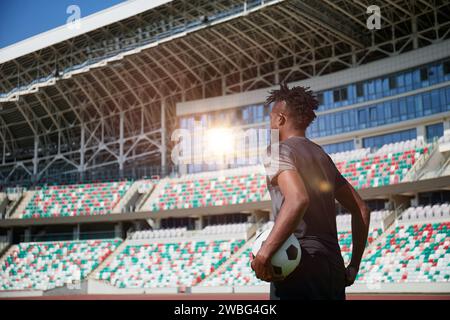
{"x":4,"y":153}
{"x":35,"y":157}
{"x":82,"y":152}
{"x":121,"y":141}
{"x":163,"y":138}
{"x":415,"y":37}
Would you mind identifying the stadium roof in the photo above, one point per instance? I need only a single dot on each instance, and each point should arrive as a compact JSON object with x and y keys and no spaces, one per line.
{"x":94,"y":21}
{"x":95,"y":99}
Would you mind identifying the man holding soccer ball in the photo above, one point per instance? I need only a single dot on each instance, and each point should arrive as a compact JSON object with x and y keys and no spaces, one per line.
{"x":303,"y":189}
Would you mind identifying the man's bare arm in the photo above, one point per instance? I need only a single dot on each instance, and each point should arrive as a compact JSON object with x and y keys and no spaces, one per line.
{"x":296,"y":201}
{"x":350,"y":200}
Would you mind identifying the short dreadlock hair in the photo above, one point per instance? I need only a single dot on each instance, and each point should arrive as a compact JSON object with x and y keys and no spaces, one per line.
{"x":300,"y":102}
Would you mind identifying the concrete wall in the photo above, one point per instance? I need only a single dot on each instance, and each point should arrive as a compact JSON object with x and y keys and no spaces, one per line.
{"x":20,"y":294}
{"x":100,"y":287}
{"x":425,"y":287}
{"x":252,"y":289}
{"x":212,"y":289}
{"x":68,"y":290}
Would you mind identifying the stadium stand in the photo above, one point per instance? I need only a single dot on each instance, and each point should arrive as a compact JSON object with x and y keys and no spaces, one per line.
{"x":409,"y":253}
{"x":75,"y":200}
{"x":405,"y":145}
{"x":171,"y":264}
{"x":436,"y":211}
{"x":385,"y":167}
{"x":237,"y":273}
{"x":161,"y":233}
{"x":146,"y":186}
{"x":344,"y":231}
{"x":210,"y":189}
{"x":345,"y":242}
{"x":106,"y":108}
{"x":344,"y":222}
{"x":361,"y":168}
{"x":350,"y":155}
{"x":47,"y":265}
{"x":232,"y":228}
{"x":388,"y":165}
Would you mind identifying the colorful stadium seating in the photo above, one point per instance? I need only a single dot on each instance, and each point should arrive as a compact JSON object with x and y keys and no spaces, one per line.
{"x":47,"y":265}
{"x":146,"y":186}
{"x":436,"y":211}
{"x":345,"y":242}
{"x":232,"y":228}
{"x":157,"y":265}
{"x":350,"y":155}
{"x":409,"y":253}
{"x":400,"y":146}
{"x":381,"y":168}
{"x":363,"y":170}
{"x":344,"y":221}
{"x":161,"y":233}
{"x":219,"y":189}
{"x":76,"y":200}
{"x":239,"y":273}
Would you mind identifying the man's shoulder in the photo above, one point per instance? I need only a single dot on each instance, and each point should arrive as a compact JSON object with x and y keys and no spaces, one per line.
{"x":298,"y":145}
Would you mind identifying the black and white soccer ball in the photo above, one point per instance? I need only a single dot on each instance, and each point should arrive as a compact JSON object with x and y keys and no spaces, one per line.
{"x":286,"y":259}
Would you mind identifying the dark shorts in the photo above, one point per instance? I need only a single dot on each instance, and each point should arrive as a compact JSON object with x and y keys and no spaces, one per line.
{"x":315,"y":278}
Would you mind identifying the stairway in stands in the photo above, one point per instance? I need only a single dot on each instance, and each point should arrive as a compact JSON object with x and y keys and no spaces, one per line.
{"x":26,"y":198}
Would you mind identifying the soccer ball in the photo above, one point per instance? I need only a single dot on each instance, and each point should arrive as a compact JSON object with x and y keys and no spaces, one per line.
{"x":286,"y":259}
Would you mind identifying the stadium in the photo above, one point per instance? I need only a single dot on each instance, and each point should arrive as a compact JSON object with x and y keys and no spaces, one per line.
{"x":93,"y":206}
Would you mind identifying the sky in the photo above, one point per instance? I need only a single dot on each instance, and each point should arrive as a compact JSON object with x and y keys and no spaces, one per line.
{"x":21,"y":19}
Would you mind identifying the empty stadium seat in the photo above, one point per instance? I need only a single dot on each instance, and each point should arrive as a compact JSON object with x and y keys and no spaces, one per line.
{"x":217,"y":189}
{"x":146,"y":186}
{"x":402,"y":146}
{"x":174,"y":264}
{"x":381,"y":168}
{"x":344,"y":222}
{"x":436,"y":211}
{"x":350,"y":155}
{"x":231,"y":228}
{"x":164,"y":233}
{"x":75,"y":200}
{"x":412,"y":253}
{"x":345,"y":242}
{"x":47,"y":265}
{"x":237,"y":273}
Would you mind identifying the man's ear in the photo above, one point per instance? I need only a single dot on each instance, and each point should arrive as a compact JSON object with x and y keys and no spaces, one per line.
{"x":282,"y":119}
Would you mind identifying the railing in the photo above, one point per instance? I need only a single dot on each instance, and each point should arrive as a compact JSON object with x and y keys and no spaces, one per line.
{"x":399,"y":210}
{"x":110,"y":175}
{"x":443,"y":167}
{"x":412,"y":174}
{"x":69,"y":236}
{"x":10,"y":210}
{"x":97,"y":175}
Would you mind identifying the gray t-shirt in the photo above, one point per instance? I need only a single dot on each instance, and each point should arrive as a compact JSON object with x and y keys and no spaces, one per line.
{"x":317,"y":231}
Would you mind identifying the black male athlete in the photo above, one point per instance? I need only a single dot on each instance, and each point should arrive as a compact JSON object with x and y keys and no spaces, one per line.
{"x":303,"y":190}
